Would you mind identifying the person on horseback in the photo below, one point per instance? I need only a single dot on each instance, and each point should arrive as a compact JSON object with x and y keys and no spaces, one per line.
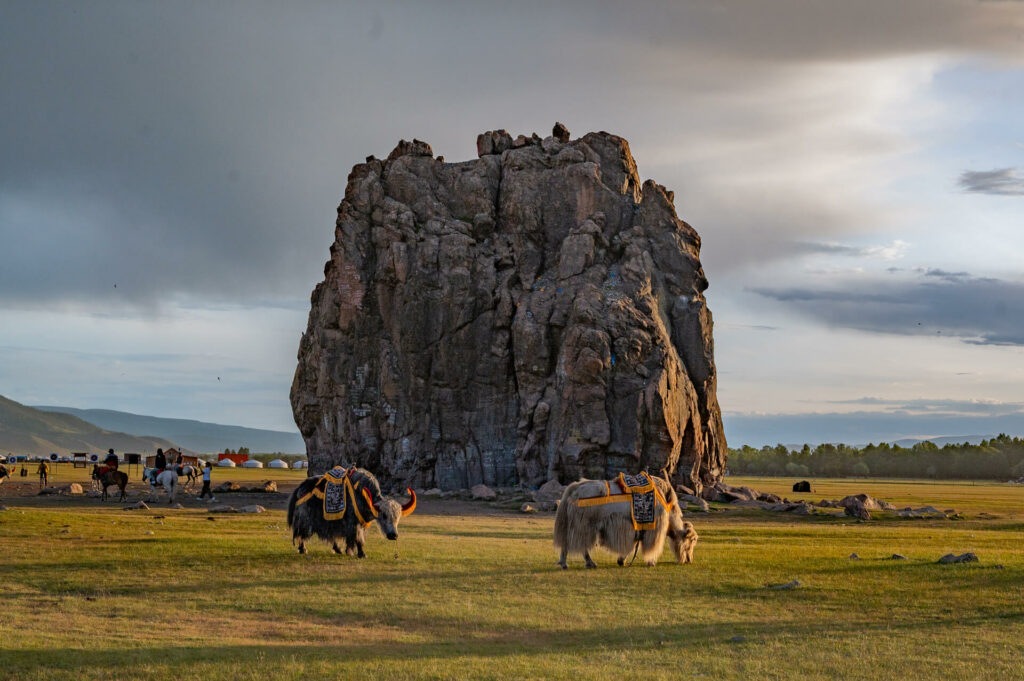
{"x":161,"y":461}
{"x":110,"y":463}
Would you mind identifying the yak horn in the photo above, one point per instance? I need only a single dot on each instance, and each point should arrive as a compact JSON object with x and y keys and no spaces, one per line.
{"x":369,"y":500}
{"x":411,"y":505}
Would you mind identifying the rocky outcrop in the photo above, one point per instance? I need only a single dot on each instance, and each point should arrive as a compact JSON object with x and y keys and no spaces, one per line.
{"x":536,"y":313}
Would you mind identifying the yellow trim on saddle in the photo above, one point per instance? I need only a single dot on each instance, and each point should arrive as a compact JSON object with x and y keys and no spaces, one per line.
{"x":627,"y":497}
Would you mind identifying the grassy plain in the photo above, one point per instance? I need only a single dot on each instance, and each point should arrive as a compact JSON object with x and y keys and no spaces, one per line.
{"x":478,"y":596}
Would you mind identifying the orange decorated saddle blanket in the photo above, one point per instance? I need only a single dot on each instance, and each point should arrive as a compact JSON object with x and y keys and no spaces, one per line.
{"x":639,"y":492}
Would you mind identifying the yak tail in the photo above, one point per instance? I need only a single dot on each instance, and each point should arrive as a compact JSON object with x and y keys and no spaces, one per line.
{"x":291,"y":505}
{"x":562,"y":517}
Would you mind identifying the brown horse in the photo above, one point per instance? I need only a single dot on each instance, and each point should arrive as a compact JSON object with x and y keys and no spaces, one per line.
{"x":108,"y":478}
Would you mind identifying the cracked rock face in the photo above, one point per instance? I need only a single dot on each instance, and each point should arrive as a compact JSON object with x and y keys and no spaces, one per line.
{"x":534,"y":313}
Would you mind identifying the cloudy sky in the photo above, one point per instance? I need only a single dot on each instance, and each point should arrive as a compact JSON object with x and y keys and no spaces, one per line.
{"x":169,"y":174}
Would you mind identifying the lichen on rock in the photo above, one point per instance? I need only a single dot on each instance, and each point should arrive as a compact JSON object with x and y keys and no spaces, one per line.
{"x":536,"y":313}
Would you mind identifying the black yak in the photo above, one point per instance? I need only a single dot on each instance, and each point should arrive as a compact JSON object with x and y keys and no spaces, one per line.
{"x":341,"y":504}
{"x":802,"y":486}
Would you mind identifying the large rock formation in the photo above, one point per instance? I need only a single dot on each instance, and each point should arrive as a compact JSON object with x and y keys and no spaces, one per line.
{"x":531,"y":314}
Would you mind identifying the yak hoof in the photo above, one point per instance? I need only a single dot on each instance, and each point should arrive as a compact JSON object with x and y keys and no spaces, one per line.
{"x":621,"y":561}
{"x":302,"y":549}
{"x":563,"y":566}
{"x":591,"y":565}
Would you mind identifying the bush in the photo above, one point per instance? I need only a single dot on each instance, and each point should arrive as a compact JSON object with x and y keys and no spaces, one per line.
{"x":861,"y":470}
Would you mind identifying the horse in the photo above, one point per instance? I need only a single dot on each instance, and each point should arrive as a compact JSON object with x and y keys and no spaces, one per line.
{"x":191,"y":473}
{"x":110,"y":477}
{"x":4,"y":473}
{"x":167,"y":477}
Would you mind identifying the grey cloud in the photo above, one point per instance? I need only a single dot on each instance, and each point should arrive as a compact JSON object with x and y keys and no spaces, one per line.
{"x":939,"y":406}
{"x":1000,"y":182}
{"x":197,"y":150}
{"x":976,"y":310}
{"x":894,"y":250}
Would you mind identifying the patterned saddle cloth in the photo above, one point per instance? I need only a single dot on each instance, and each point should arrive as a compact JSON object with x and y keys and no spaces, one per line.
{"x":644,"y":498}
{"x":335,"y":481}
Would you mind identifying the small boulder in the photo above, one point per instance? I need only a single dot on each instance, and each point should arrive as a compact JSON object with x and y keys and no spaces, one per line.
{"x":855,"y":508}
{"x":137,"y":506}
{"x":549,"y":491}
{"x":148,"y":532}
{"x":227,"y":487}
{"x":223,"y":508}
{"x":178,"y":507}
{"x":897,"y":556}
{"x":482,"y":492}
{"x":269,"y":486}
{"x":854,"y":556}
{"x":560,"y":133}
{"x":968,"y":557}
{"x":692,"y":500}
{"x":787,"y":586}
{"x":73,"y":488}
{"x":93,"y":494}
{"x":251,"y":508}
{"x":527,"y":508}
{"x":3,"y":508}
{"x":432,"y":492}
{"x":683,"y":489}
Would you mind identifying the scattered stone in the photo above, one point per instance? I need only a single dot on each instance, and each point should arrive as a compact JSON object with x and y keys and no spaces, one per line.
{"x":769,"y":498}
{"x":3,"y":508}
{"x":251,"y":508}
{"x":73,"y":488}
{"x":962,"y":558}
{"x":787,"y":586}
{"x":550,"y":491}
{"x":738,"y":639}
{"x":93,"y":494}
{"x":65,"y":531}
{"x":527,"y":508}
{"x":854,"y":556}
{"x":856,"y":507}
{"x":997,"y":567}
{"x":178,"y":507}
{"x":138,"y":506}
{"x":268,"y":487}
{"x":432,"y":492}
{"x":222,"y":508}
{"x":692,"y":500}
{"x":483,"y":492}
{"x":897,"y":556}
{"x":227,"y":487}
{"x":150,"y":532}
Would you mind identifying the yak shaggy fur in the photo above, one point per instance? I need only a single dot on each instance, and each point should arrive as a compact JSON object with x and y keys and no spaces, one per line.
{"x":307,"y":519}
{"x":579,"y":529}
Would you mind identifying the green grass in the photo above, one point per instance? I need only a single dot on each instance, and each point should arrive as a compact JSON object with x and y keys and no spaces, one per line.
{"x":478,"y":597}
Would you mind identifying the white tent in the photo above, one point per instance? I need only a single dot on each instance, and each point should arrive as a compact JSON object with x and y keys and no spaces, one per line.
{"x":252,"y":463}
{"x":277,"y":463}
{"x":226,"y":463}
{"x":300,"y":464}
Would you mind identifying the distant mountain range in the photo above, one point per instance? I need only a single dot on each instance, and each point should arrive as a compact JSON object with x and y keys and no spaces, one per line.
{"x":199,"y":436}
{"x":24,"y":430}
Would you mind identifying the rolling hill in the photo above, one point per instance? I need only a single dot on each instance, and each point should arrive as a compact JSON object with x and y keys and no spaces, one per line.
{"x":199,"y":436}
{"x":24,"y":430}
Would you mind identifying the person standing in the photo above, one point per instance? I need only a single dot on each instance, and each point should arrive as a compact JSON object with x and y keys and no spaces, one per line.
{"x":207,"y":470}
{"x":44,"y":473}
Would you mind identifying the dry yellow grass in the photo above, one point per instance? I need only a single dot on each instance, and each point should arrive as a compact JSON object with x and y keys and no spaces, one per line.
{"x":479,"y":597}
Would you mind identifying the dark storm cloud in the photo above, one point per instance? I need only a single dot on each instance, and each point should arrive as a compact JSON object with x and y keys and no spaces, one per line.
{"x":183,"y":150}
{"x":1000,"y":182}
{"x":977,"y":310}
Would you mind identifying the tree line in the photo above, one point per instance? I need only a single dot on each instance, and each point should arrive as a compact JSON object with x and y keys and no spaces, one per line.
{"x":1000,"y":458}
